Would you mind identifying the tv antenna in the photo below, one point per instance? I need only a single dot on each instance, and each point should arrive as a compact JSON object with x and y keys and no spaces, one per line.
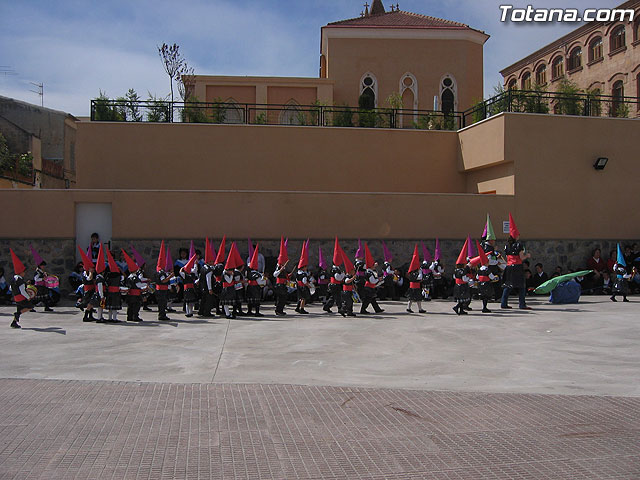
{"x":6,"y":70}
{"x":39,"y":91}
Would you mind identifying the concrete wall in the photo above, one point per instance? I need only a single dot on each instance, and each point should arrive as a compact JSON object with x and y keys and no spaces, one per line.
{"x":258,"y":157}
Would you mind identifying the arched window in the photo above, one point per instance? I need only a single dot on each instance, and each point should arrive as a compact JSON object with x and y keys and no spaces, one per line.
{"x":595,"y":49}
{"x":526,"y":81}
{"x":512,"y":84}
{"x":636,"y":30}
{"x":448,"y":91}
{"x":541,"y":75}
{"x":409,"y":94}
{"x":233,"y":113}
{"x":575,"y":59}
{"x":291,"y":114}
{"x":638,"y":90}
{"x":368,"y":91}
{"x":617,"y":92}
{"x":557,"y":68}
{"x":616,"y":39}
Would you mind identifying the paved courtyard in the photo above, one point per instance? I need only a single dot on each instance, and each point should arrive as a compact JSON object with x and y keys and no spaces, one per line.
{"x":548,"y":393}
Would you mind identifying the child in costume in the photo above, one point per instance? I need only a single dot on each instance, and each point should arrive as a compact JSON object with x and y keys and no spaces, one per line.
{"x":369,"y":295}
{"x":281,"y":276}
{"x":414,"y":274}
{"x":188,"y":274}
{"x":622,"y":278}
{"x":113,"y":297}
{"x":19,"y":290}
{"x":461,"y":290}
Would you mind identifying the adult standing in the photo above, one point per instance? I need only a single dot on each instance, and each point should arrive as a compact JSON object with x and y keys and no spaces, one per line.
{"x":514,"y":273}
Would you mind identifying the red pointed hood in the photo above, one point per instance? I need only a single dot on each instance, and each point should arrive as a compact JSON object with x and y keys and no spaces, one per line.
{"x":513,"y":229}
{"x":162,"y":258}
{"x":189,"y":265}
{"x":415,"y":260}
{"x":368,"y":258}
{"x":208,"y":252}
{"x":462,"y":258}
{"x":283,"y":256}
{"x":86,"y":261}
{"x":220,"y":258}
{"x":337,"y":255}
{"x":253,"y":264}
{"x":233,"y":260}
{"x":100,"y":264}
{"x":348,"y":265}
{"x":18,"y":266}
{"x":113,"y":266}
{"x":131,"y":265}
{"x":304,"y":255}
{"x":481,"y":259}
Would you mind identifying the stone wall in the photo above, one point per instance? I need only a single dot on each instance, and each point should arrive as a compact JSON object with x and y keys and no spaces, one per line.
{"x":61,"y":254}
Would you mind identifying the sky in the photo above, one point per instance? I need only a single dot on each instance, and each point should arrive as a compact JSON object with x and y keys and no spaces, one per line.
{"x":78,"y":48}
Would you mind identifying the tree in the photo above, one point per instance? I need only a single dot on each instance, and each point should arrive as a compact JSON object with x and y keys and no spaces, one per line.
{"x":172,"y":61}
{"x":186,"y":81}
{"x":133,"y":105}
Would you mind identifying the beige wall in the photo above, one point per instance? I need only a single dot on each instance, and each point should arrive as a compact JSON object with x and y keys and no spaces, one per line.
{"x":557,"y":189}
{"x":241,"y":94}
{"x":250,"y":214}
{"x":428,"y":60}
{"x":258,"y":157}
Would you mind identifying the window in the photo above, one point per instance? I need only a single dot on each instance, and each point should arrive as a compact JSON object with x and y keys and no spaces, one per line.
{"x":541,"y":75}
{"x":575,"y":59}
{"x":512,"y":84}
{"x":291,"y":114}
{"x":526,"y":81}
{"x":448,"y":91}
{"x":557,"y":68}
{"x":636,"y":30}
{"x":233,"y":113}
{"x":368,"y":91}
{"x":638,"y":90}
{"x":595,"y":49}
{"x":617,"y":92}
{"x":616,"y":40}
{"x":409,"y":93}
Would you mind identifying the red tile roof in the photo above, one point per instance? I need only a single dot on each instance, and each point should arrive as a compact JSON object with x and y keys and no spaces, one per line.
{"x":399,"y":19}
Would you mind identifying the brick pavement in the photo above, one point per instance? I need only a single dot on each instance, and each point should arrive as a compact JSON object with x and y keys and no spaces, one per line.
{"x":125,"y":430}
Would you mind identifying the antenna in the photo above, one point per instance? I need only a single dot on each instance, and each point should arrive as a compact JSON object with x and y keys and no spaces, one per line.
{"x":40,"y":91}
{"x":6,"y":70}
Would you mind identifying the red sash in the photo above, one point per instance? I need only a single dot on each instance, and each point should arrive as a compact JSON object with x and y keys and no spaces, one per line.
{"x":112,"y":289}
{"x":135,"y":292}
{"x":370,"y":285}
{"x":19,"y":298}
{"x":253,"y":283}
{"x":334,"y":281}
{"x":460,"y":281}
{"x":188,"y":286}
{"x":414,"y":285}
{"x":484,"y":278}
{"x":227,"y":285}
{"x":514,"y":260}
{"x":281,"y":281}
{"x":347,"y":288}
{"x":161,"y":288}
{"x":87,"y":287}
{"x":300,"y":284}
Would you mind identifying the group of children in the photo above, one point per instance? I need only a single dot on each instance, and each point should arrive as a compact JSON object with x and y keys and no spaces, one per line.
{"x":223,"y":282}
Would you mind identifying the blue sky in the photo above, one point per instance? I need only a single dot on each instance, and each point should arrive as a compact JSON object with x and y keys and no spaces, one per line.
{"x":77,"y":48}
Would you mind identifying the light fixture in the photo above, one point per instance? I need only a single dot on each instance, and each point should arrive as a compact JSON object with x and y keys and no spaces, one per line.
{"x":601,"y":163}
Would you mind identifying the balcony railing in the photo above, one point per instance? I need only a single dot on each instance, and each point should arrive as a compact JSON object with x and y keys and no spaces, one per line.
{"x":532,"y":101}
{"x":261,"y":114}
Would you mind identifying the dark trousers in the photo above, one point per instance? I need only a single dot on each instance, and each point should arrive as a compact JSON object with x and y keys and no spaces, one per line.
{"x":206,"y":304}
{"x":281,"y":298}
{"x":522,"y":291}
{"x":369,"y":298}
{"x":161,"y":298}
{"x":133,"y":307}
{"x":335,"y":297}
{"x":347,"y":302}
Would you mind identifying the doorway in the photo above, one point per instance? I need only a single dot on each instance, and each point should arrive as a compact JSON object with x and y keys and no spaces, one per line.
{"x":92,"y":218}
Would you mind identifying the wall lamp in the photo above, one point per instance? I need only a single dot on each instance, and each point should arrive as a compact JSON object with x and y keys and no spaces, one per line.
{"x":601,"y":163}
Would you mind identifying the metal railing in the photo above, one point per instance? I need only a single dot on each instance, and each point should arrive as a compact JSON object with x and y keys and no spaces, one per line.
{"x":558,"y":103}
{"x":272,"y":114}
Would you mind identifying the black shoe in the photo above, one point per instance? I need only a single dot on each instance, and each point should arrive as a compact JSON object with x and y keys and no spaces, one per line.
{"x":613,"y":299}
{"x":258,"y":314}
{"x":342,"y":313}
{"x":468,"y":308}
{"x":409,"y":310}
{"x":351,"y":314}
{"x":506,"y":308}
{"x":170,"y":310}
{"x":15,"y":324}
{"x":33,"y":310}
{"x":457,"y":309}
{"x":280,"y":314}
{"x":380,"y":310}
{"x":462,"y":312}
{"x":48,"y":309}
{"x":165,"y":318}
{"x":189,"y":315}
{"x":364,"y":312}
{"x":137,"y":319}
{"x":486,"y":310}
{"x":625,"y":299}
{"x":303,"y":311}
{"x":229,"y":317}
{"x":88,"y":319}
{"x":100,"y":320}
{"x":326,"y":309}
{"x":146,"y":309}
{"x":422,"y":311}
{"x":297,"y":310}
{"x":525,"y":308}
